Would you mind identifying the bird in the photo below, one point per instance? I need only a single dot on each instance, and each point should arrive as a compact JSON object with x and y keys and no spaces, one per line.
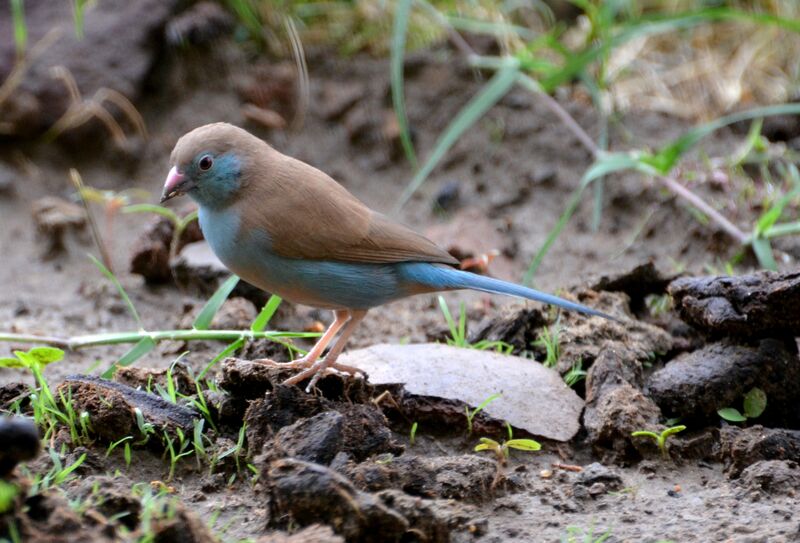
{"x":288,"y":228}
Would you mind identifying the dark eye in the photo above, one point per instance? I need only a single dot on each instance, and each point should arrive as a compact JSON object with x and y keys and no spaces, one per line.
{"x":206,"y":162}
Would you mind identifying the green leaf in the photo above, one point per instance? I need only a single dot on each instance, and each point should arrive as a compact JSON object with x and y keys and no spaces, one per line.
{"x":483,"y":447}
{"x":644,"y":433}
{"x":731,"y":414}
{"x":8,"y":494}
{"x":755,"y":402}
{"x":399,"y":30}
{"x":144,"y":346}
{"x":46,"y":355}
{"x":7,"y":362}
{"x":673,"y":430}
{"x":491,"y":93}
{"x":763,"y":251}
{"x":105,"y":271}
{"x":263,"y":318}
{"x":206,"y":315}
{"x":524,"y":444}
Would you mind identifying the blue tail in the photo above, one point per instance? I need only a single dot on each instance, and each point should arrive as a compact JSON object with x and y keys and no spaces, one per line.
{"x":443,"y":278}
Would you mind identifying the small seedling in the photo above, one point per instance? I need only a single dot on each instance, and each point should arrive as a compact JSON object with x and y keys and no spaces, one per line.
{"x":412,"y":437}
{"x":755,"y":402}
{"x":548,"y":340}
{"x":481,"y":407}
{"x":576,"y":374}
{"x":660,"y":439}
{"x":502,"y":450}
{"x":458,"y":332}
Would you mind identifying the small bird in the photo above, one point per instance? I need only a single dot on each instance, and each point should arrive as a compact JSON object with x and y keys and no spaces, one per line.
{"x":290,"y":229}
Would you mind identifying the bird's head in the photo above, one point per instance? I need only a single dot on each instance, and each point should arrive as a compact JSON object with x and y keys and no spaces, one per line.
{"x":207,"y":164}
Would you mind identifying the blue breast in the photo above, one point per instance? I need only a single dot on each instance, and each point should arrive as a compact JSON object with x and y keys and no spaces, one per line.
{"x":319,"y":283}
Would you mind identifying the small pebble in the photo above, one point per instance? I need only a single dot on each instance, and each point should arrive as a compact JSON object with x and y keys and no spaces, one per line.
{"x":546,"y":473}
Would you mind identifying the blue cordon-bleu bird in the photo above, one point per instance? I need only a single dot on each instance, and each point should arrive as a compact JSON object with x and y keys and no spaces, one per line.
{"x":290,"y":229}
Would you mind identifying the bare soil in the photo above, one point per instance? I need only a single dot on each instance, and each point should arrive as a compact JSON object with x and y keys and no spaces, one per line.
{"x":513,"y":172}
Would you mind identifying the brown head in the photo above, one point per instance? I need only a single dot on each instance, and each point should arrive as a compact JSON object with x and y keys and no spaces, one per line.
{"x":209,"y":163}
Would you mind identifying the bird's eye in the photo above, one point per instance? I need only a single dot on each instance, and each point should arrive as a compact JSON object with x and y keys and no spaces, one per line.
{"x":206,"y":162}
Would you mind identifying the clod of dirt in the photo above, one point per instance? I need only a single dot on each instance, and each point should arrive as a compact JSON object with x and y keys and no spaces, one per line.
{"x":516,"y":325}
{"x":637,"y":283}
{"x":583,"y":338}
{"x":610,"y":420}
{"x":270,"y":86}
{"x":47,"y":517}
{"x":54,"y":217}
{"x":596,"y":473}
{"x":13,"y":392}
{"x":742,"y":447}
{"x":148,"y":378}
{"x":94,"y":60}
{"x":199,"y":25}
{"x":20,"y":439}
{"x":695,"y":385}
{"x":763,"y":304}
{"x":470,"y":376}
{"x":772,"y":477}
{"x":315,"y":533}
{"x":112,"y":408}
{"x":111,"y":497}
{"x":281,"y":407}
{"x":615,"y":365}
{"x":468,"y":477}
{"x":181,"y":526}
{"x":358,"y":431}
{"x":197,"y":268}
{"x":433,"y":520}
{"x":302,"y":493}
{"x":151,"y":251}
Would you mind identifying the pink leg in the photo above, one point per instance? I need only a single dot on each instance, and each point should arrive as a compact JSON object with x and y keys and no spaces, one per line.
{"x":319,"y":368}
{"x":339,"y":320}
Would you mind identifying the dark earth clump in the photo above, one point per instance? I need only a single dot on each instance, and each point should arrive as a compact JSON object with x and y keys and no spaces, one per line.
{"x":697,"y":384}
{"x":762,"y":304}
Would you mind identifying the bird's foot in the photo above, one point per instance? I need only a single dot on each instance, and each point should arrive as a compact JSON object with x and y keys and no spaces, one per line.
{"x":318,"y":370}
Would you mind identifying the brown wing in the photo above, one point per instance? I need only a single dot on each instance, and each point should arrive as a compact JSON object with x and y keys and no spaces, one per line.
{"x":308,"y":215}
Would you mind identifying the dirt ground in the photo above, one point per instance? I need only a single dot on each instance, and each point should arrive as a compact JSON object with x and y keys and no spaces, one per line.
{"x":513,"y":173}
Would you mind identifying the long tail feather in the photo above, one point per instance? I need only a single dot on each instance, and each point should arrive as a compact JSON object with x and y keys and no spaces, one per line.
{"x":440,"y":277}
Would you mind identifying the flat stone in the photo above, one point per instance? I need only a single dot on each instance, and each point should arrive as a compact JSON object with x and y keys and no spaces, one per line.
{"x":532,"y":397}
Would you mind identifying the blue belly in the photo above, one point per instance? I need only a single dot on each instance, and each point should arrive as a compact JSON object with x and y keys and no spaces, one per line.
{"x":319,"y":283}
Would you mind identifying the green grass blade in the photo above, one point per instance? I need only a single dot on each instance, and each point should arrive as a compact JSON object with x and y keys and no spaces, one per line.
{"x":783,"y":229}
{"x":144,"y":346}
{"x":605,"y":164}
{"x":113,"y":278}
{"x":20,"y":27}
{"x":227,"y":351}
{"x":206,"y":315}
{"x":399,"y":30}
{"x":263,"y":318}
{"x":763,"y":250}
{"x":153,"y":208}
{"x":668,"y":156}
{"x":491,"y":93}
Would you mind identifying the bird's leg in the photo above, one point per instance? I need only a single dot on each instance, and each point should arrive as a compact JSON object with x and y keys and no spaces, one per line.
{"x":320,"y":367}
{"x":340,"y":317}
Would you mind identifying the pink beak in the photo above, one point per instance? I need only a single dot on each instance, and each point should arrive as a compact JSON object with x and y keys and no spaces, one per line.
{"x":172,"y":186}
